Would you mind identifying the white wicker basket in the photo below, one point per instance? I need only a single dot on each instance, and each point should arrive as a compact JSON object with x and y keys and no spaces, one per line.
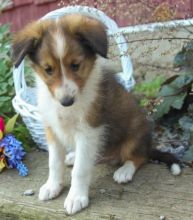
{"x":25,"y":100}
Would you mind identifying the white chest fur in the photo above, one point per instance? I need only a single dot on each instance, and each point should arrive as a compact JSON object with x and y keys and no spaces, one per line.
{"x":66,"y":122}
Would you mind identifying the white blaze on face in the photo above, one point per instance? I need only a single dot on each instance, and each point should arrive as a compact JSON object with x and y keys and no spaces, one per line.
{"x":60,"y":44}
{"x":67,"y":87}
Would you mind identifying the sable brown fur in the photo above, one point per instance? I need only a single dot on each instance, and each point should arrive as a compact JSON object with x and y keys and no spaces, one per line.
{"x":128,"y":135}
{"x":82,"y":44}
{"x":127,"y":132}
{"x":82,"y":105}
{"x":76,"y":28}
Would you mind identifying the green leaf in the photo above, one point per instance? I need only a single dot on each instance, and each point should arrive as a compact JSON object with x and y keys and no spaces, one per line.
{"x":178,"y":101}
{"x":185,"y":56}
{"x":149,"y":89}
{"x":169,"y":102}
{"x":173,"y":93}
{"x":10,"y":124}
{"x":163,"y":108}
{"x":167,"y":90}
{"x":182,"y":81}
{"x":179,"y":60}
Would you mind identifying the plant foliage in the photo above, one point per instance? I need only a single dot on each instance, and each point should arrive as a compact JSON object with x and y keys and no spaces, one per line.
{"x":173,"y":94}
{"x":184,"y":58}
{"x":7,"y":91}
{"x":159,"y":96}
{"x":6,"y":78}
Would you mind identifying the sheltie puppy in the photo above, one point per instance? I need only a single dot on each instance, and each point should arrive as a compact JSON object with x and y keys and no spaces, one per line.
{"x":82,"y":105}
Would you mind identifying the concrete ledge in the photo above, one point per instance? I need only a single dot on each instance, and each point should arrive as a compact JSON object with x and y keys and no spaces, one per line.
{"x":153,"y":192}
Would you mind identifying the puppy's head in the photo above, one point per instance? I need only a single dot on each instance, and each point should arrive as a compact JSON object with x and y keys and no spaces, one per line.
{"x":63,"y":52}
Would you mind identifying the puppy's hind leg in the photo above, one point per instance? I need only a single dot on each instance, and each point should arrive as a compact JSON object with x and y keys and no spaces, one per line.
{"x":132,"y":157}
{"x":126,"y":172}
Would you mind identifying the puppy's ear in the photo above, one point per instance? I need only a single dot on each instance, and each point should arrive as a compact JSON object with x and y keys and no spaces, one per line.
{"x":93,"y":35}
{"x":27,"y":41}
{"x":21,"y":49}
{"x":90,"y":32}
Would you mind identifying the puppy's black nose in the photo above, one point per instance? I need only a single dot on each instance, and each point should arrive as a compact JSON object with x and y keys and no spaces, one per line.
{"x":67,"y":101}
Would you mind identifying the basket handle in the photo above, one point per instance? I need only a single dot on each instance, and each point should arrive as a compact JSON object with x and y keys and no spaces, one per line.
{"x":19,"y":80}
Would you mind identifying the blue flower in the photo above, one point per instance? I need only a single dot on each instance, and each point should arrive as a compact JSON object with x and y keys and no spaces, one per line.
{"x":14,"y":153}
{"x":23,"y":170}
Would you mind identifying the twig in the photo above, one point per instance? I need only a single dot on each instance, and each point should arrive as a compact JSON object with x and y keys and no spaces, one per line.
{"x":188,"y":30}
{"x":157,"y":67}
{"x":153,"y":39}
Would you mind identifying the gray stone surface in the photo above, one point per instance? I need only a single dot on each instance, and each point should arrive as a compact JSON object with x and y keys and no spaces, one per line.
{"x":154,"y":192}
{"x":156,"y":48}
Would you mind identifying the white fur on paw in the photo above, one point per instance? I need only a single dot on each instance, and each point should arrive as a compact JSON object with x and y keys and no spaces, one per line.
{"x":50,"y":191}
{"x":125,"y":173}
{"x":70,"y":157}
{"x":75,"y":202}
{"x":175,"y":169}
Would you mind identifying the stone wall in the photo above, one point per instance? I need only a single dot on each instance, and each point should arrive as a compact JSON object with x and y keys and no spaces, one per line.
{"x":155,"y":51}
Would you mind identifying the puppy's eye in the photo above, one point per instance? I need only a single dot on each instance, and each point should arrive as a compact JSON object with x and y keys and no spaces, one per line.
{"x":49,"y":70}
{"x":74,"y":66}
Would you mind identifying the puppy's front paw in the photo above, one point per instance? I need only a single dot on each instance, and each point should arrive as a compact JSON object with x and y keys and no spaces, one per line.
{"x":50,"y":190}
{"x":75,"y":202}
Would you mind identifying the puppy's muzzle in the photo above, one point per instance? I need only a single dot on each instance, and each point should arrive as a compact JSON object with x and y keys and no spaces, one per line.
{"x":67,"y":101}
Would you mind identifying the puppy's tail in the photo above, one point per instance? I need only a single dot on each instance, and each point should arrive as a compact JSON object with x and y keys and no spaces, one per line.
{"x":169,"y":159}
